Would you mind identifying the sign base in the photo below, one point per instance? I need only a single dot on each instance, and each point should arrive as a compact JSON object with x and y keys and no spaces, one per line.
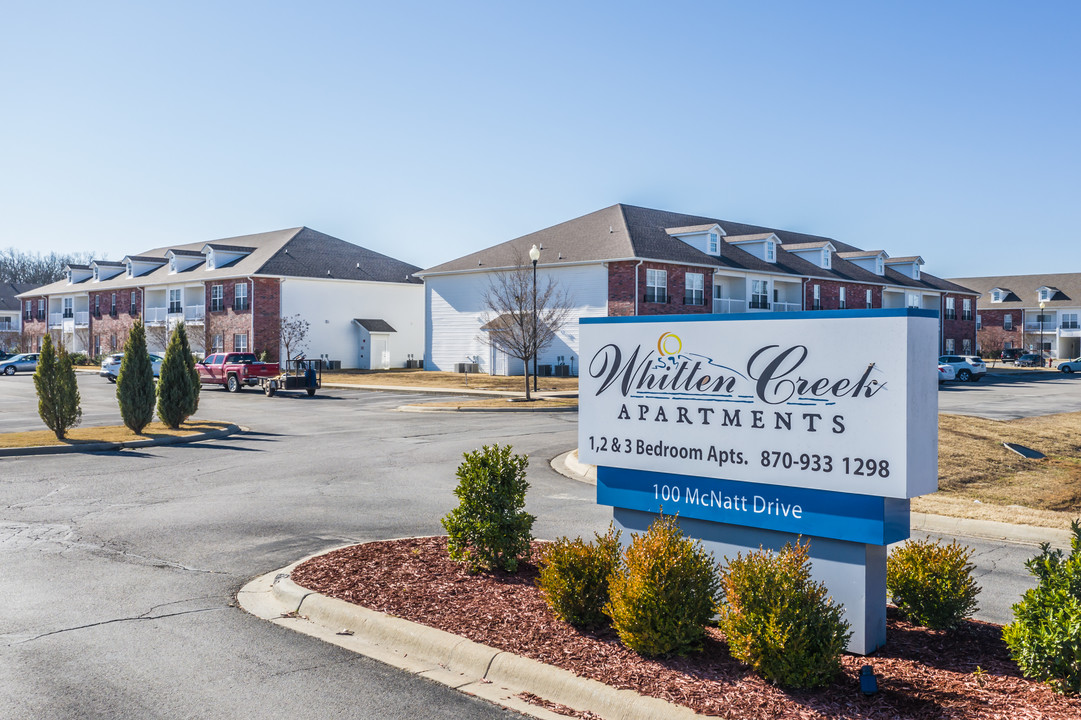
{"x":853,"y":572}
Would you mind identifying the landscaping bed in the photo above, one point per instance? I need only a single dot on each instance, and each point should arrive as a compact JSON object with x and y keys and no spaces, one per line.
{"x":449,"y":380}
{"x":106,"y":433}
{"x":923,"y":674}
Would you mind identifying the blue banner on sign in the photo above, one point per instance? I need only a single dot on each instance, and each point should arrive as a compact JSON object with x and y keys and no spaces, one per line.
{"x":817,"y":513}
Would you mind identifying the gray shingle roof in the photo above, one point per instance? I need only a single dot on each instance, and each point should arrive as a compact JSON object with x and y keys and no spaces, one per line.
{"x":296,"y":252}
{"x":1023,"y":290}
{"x":374,"y":325}
{"x":8,"y":291}
{"x":631,"y":232}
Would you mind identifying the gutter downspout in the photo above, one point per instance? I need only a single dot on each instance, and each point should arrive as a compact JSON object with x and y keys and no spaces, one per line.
{"x":251,"y":307}
{"x":636,"y":286}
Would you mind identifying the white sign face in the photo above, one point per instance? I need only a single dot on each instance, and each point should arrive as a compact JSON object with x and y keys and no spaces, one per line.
{"x":846,"y":403}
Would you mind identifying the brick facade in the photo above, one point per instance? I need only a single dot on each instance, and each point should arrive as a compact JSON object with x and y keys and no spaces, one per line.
{"x":621,"y":290}
{"x":109,"y":330}
{"x":36,"y":326}
{"x":231,"y":320}
{"x":830,"y":295}
{"x":958,"y":328}
{"x":993,"y":335}
{"x":267,"y":309}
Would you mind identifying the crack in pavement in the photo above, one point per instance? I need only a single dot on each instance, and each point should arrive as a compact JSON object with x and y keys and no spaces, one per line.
{"x":143,"y":616}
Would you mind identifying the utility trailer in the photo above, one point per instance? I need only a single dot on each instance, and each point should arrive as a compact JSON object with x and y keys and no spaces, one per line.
{"x":300,"y":374}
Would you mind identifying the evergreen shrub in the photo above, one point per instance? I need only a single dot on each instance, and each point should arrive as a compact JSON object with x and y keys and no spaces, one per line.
{"x":490,"y":528}
{"x":931,"y":583}
{"x":1045,"y":636}
{"x":574,"y":577}
{"x":57,"y":389}
{"x":178,"y":381}
{"x":778,"y":621}
{"x":135,"y":381}
{"x":662,"y":596}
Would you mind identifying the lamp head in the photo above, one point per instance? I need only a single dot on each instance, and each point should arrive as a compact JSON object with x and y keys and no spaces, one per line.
{"x":534,"y":253}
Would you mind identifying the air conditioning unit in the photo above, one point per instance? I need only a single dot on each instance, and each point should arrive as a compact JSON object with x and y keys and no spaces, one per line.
{"x":467,"y":367}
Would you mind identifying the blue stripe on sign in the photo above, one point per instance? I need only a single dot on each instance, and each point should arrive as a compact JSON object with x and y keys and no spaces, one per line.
{"x":795,"y":315}
{"x":816,"y":513}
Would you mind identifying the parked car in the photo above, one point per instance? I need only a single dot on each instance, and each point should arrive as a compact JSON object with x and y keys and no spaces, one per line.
{"x":945,"y":373}
{"x":110,"y":365}
{"x":234,"y":370}
{"x":1011,"y":354}
{"x":968,"y":368}
{"x":1031,"y":360}
{"x":1069,"y":366}
{"x":27,"y":362}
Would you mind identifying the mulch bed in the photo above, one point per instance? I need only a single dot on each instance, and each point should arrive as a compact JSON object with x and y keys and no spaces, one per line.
{"x":923,"y":674}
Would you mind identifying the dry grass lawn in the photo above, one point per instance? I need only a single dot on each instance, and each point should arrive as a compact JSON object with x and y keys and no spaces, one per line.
{"x":974,"y":466}
{"x":433,"y":379}
{"x":109,"y":433}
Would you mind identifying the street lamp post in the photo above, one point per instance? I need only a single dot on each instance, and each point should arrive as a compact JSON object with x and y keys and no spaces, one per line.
{"x":1042,"y":305}
{"x":534,"y":255}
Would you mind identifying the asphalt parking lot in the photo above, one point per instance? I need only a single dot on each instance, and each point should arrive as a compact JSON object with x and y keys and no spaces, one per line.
{"x":1008,"y":396}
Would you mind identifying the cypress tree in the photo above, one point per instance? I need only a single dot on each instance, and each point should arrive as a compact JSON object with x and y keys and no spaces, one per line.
{"x":178,"y":386}
{"x":135,"y":381}
{"x":58,"y":390}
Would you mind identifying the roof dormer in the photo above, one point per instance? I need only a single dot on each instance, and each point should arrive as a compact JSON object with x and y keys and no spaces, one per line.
{"x":763,"y":245}
{"x":706,"y":238}
{"x":817,"y":253}
{"x":907,"y":266}
{"x":106,"y":269}
{"x":77,"y":273}
{"x":219,"y":256}
{"x":181,"y":260}
{"x":999,"y":294}
{"x":1046,"y":294}
{"x":138,"y":265}
{"x":870,"y":260}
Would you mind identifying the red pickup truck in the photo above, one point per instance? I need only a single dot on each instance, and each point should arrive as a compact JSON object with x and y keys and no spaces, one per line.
{"x":234,"y":370}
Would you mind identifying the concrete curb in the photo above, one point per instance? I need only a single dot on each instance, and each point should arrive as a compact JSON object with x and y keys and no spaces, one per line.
{"x":111,"y":446}
{"x":470,"y":667}
{"x":569,"y":466}
{"x":423,"y":409}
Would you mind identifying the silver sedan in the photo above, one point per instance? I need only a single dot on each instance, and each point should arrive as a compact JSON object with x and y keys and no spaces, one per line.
{"x":26,"y":362}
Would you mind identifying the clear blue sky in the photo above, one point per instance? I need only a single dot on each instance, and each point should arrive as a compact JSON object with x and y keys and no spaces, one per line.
{"x":429,"y":130}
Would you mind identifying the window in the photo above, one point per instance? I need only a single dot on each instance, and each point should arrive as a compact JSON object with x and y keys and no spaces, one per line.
{"x":175,"y":305}
{"x":97,"y":306}
{"x":966,"y":309}
{"x":718,"y":291}
{"x":69,"y":309}
{"x":41,"y":309}
{"x":817,"y":295}
{"x":913,"y":300}
{"x":870,"y":297}
{"x":771,"y":251}
{"x":979,"y":321}
{"x":216,"y":344}
{"x":997,"y":295}
{"x":825,"y":257}
{"x":134,"y":304}
{"x":966,"y":346}
{"x":114,"y":342}
{"x":217,"y":298}
{"x":1007,"y":322}
{"x":129,"y":271}
{"x":949,"y":346}
{"x":880,"y":266}
{"x":210,"y":260}
{"x":1045,"y":294}
{"x":1007,"y":345}
{"x":695,"y":294}
{"x":96,"y":278}
{"x":1069,"y":321}
{"x":240,"y":294}
{"x":759,"y":295}
{"x":97,"y":345}
{"x":29,"y":309}
{"x":951,"y":311}
{"x":656,"y":286}
{"x":240,"y":342}
{"x":112,"y":309}
{"x":713,"y":244}
{"x":843,"y":301}
{"x":172,"y":264}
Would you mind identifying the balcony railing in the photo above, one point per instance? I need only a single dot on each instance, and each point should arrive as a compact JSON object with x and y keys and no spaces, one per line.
{"x":727,"y":306}
{"x":82,"y":318}
{"x":241,"y":304}
{"x":156,"y":315}
{"x":785,"y":307}
{"x":759,"y":304}
{"x":194,"y":313}
{"x":56,"y":319}
{"x":6,"y":325}
{"x":1069,"y":325}
{"x":1046,"y":327}
{"x":694,"y":299}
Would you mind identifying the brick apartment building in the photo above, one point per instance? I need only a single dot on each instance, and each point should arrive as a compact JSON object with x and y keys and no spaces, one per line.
{"x":232,"y":294}
{"x":626,"y":260}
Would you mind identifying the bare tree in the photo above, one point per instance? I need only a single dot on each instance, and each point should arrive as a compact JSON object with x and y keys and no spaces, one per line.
{"x":510,"y":325}
{"x":17,"y":266}
{"x":293,"y":331}
{"x":9,"y":340}
{"x":157,"y":338}
{"x":990,"y":345}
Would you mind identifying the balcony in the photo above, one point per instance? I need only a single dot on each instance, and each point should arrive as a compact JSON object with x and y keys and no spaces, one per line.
{"x":727,"y":306}
{"x":785,"y":307}
{"x":56,"y":319}
{"x":1047,"y":327}
{"x":194,"y":313}
{"x":82,"y":318}
{"x":6,"y":325}
{"x":156,"y":315}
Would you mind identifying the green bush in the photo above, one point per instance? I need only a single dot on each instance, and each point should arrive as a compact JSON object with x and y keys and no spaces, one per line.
{"x":178,"y":383}
{"x":662,"y":596}
{"x":79,"y":358}
{"x":490,"y":528}
{"x":574,"y":577}
{"x":135,"y":381}
{"x":780,"y":622}
{"x":1045,"y":635}
{"x":931,"y":583}
{"x":58,"y":390}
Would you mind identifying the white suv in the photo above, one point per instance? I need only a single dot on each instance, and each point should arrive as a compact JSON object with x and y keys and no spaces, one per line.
{"x":968,"y":368}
